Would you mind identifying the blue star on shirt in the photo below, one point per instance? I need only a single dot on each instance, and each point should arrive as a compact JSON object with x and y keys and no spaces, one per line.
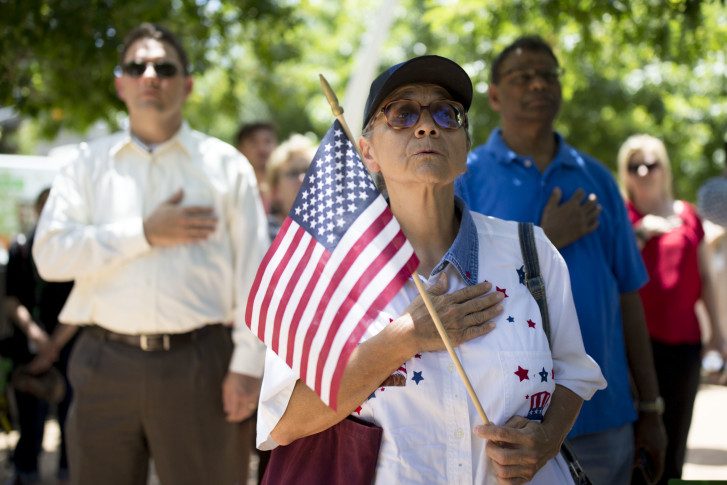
{"x":521,"y":274}
{"x":543,"y":375}
{"x":510,"y":319}
{"x":417,"y":377}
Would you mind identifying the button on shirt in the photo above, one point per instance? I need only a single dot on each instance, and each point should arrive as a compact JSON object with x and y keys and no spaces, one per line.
{"x":427,"y":423}
{"x":602,"y":265}
{"x":91,"y":230}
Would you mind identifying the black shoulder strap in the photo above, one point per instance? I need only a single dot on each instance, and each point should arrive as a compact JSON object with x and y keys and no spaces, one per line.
{"x":533,"y":277}
{"x":536,"y":285}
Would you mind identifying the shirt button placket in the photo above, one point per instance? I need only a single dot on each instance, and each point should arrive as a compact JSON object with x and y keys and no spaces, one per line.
{"x":154,"y":198}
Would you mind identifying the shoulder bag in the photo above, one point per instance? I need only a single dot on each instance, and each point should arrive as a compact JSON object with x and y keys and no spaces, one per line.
{"x":535,"y":283}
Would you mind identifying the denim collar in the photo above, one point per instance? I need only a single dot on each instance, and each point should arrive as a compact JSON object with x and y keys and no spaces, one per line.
{"x":463,"y":254}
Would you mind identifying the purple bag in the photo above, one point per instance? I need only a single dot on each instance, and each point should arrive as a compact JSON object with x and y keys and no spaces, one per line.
{"x":344,"y":454}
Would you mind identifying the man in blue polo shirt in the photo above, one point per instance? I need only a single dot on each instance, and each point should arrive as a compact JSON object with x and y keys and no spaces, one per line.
{"x":523,"y":173}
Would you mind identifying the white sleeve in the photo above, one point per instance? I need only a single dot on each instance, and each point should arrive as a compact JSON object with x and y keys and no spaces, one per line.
{"x":572,"y":366}
{"x":278,"y":385}
{"x":248,"y":227}
{"x":67,"y":243}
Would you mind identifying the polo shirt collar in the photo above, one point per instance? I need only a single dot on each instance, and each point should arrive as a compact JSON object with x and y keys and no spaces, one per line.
{"x":565,"y":156}
{"x":464,"y":252}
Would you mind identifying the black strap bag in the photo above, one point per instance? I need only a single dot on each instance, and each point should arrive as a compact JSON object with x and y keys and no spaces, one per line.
{"x":535,"y":283}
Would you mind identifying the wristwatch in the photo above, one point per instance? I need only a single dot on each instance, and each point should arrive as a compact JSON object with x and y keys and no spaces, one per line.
{"x":655,"y":406}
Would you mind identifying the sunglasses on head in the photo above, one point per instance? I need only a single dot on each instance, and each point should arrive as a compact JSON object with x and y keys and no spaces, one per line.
{"x":405,"y":113}
{"x":163,"y":69}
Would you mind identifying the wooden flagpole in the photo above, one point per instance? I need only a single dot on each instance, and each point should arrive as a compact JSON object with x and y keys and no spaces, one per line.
{"x":338,"y":113}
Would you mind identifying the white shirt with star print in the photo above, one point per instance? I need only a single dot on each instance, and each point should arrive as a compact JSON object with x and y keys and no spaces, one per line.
{"x":427,"y":423}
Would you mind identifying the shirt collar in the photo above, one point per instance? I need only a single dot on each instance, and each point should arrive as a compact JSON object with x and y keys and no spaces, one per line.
{"x":565,"y":156}
{"x":183,"y":137}
{"x":463,"y":254}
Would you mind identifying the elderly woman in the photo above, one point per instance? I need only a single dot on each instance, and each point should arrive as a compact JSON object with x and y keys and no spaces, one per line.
{"x":670,"y":235}
{"x":285,"y":172}
{"x":415,"y":138}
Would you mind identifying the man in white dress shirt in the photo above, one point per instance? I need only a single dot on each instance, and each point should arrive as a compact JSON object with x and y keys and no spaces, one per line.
{"x":162,"y":229}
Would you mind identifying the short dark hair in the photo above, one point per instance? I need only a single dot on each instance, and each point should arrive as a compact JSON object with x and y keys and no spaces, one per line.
{"x":149,"y":30}
{"x":248,"y":129}
{"x":531,"y":43}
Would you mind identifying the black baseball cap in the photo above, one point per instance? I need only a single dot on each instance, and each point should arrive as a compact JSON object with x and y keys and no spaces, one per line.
{"x":425,"y":69}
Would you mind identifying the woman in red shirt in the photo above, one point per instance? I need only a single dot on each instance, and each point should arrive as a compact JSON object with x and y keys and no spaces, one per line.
{"x":669,"y":233}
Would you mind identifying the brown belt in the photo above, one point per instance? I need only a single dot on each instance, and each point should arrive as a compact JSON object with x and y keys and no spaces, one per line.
{"x":151,"y":342}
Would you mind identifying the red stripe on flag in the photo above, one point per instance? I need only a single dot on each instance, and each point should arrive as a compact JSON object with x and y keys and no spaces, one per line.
{"x":383,"y":299}
{"x":302,"y":303}
{"x":381,"y":260}
{"x":260,"y":272}
{"x":270,"y":290}
{"x":301,"y":265}
{"x":353,"y":297}
{"x":345,"y":264}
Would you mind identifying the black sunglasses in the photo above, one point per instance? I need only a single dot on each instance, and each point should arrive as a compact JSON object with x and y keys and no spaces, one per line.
{"x":163,"y":69}
{"x":649,"y":167}
{"x":404,"y":113}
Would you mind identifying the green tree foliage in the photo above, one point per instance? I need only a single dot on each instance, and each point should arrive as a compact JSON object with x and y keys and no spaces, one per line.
{"x":650,"y":66}
{"x":58,"y":56}
{"x":654,"y":66}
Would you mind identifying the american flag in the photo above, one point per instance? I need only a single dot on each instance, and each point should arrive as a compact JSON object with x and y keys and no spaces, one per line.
{"x":338,"y":260}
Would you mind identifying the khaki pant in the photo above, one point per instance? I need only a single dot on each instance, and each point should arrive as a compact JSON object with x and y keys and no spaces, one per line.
{"x":130,"y":405}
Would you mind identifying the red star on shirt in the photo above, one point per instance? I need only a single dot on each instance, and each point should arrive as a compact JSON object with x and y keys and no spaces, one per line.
{"x":502,"y":290}
{"x":418,"y":356}
{"x":522,"y":373}
{"x":358,"y":410}
{"x":531,"y":324}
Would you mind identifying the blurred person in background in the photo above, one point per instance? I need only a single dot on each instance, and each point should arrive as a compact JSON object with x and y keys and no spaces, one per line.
{"x":33,"y":305}
{"x":712,"y":206}
{"x":286,"y":171}
{"x":257,"y":141}
{"x":528,"y":172}
{"x":670,"y":235}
